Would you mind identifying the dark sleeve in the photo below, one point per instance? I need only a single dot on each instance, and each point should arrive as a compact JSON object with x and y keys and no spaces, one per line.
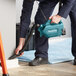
{"x":25,"y":17}
{"x":66,"y":8}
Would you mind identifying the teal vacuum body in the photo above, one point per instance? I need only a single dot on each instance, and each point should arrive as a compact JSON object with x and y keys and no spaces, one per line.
{"x":49,"y":29}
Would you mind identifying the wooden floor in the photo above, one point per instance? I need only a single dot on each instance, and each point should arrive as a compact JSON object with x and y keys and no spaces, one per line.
{"x":61,"y":69}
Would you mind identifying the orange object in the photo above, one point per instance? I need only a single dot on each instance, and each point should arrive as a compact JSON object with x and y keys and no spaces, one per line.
{"x":2,"y":58}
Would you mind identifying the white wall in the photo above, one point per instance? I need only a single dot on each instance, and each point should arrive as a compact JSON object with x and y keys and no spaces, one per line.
{"x":18,"y":11}
{"x":7,"y":25}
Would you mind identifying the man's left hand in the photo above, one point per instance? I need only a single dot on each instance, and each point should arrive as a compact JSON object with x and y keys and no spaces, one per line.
{"x":55,"y":19}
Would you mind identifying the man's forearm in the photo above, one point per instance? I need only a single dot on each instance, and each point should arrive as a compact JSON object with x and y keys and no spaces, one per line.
{"x":21,"y":41}
{"x":66,"y":8}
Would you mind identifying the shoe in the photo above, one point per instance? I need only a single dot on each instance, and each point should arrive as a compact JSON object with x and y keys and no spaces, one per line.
{"x":38,"y":61}
{"x":74,"y":61}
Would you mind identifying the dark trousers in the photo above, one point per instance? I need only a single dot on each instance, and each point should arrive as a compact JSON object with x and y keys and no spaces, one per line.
{"x":42,"y":42}
{"x":73,"y":28}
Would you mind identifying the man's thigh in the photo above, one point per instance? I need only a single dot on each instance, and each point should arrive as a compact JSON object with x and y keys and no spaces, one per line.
{"x":73,"y":25}
{"x":46,"y":8}
{"x":73,"y":15}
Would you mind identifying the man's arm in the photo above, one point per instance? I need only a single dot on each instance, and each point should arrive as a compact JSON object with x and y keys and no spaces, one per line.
{"x":63,"y":12}
{"x":25,"y":17}
{"x":65,"y":9}
{"x":24,"y":23}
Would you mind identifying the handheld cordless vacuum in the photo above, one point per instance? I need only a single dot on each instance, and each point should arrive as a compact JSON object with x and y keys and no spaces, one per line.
{"x":51,"y":29}
{"x":48,"y":30}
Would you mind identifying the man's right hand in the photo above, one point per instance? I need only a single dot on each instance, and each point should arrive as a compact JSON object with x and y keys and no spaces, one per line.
{"x":20,"y":46}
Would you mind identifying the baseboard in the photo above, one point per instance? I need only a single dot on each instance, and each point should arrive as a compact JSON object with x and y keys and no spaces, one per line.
{"x":11,"y":63}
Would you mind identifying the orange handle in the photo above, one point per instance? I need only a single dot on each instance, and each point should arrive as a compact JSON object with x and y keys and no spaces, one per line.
{"x":2,"y":57}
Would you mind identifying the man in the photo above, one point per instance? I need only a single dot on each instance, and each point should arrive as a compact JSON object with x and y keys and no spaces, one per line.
{"x":41,"y":43}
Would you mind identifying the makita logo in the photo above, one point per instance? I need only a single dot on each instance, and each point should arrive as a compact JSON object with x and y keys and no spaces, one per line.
{"x":51,"y":31}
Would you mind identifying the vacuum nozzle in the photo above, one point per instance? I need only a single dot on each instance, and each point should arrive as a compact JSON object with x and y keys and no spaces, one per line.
{"x":16,"y":55}
{"x":13,"y":57}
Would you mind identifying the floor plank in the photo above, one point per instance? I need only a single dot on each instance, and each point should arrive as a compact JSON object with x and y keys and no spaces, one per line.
{"x":61,"y":69}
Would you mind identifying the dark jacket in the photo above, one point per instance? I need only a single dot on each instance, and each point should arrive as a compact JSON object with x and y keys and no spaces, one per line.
{"x":27,"y":9}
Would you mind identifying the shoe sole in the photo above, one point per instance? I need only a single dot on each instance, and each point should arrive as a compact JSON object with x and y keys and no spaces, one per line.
{"x":38,"y":64}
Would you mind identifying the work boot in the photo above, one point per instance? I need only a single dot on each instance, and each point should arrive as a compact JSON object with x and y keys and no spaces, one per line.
{"x":74,"y":61}
{"x":38,"y":61}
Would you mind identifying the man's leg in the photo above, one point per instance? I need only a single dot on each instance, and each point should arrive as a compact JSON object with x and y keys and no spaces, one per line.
{"x":42,"y":42}
{"x":73,"y":27}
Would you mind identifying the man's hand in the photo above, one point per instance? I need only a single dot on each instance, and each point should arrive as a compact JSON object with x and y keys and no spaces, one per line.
{"x":20,"y":46}
{"x":55,"y":19}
